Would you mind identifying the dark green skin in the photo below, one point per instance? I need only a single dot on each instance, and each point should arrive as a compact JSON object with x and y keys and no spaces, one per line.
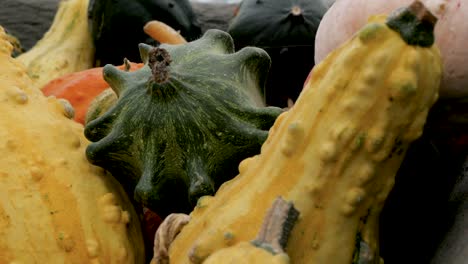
{"x":288,"y":38}
{"x":171,"y":143}
{"x":110,"y":20}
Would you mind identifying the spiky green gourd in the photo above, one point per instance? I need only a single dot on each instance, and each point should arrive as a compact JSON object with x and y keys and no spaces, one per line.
{"x":182,"y":123}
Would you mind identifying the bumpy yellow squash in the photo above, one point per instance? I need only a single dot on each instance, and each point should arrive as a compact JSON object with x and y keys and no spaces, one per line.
{"x":54,"y":206}
{"x":335,"y":153}
{"x":65,"y":48}
{"x":268,"y":246}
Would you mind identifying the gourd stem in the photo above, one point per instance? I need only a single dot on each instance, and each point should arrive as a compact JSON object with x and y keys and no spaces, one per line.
{"x":296,"y":14}
{"x":127,"y":65}
{"x":296,"y":11}
{"x":159,"y":61}
{"x":277,"y":226}
{"x":415,"y":24}
{"x":165,"y":235}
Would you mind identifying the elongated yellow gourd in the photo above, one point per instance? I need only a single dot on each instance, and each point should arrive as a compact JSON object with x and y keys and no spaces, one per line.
{"x":335,"y":153}
{"x":54,"y":206}
{"x":65,"y":48}
{"x":268,"y":247}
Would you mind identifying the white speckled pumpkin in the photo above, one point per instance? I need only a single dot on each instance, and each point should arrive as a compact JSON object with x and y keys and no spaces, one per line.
{"x":451,"y":33}
{"x":54,"y":206}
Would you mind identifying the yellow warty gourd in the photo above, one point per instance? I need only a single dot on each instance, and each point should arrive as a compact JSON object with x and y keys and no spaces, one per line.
{"x":268,"y":246}
{"x":246,"y":253}
{"x":335,"y":153}
{"x":65,"y":48}
{"x":54,"y":206}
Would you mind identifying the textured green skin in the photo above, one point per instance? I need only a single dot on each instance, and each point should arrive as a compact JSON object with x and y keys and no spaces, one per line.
{"x":100,"y":104}
{"x":174,"y":142}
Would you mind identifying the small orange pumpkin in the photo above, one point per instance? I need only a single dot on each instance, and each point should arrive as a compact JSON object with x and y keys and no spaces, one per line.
{"x":79,"y":88}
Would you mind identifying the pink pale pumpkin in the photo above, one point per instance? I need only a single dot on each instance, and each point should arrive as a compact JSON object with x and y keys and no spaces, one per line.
{"x":451,"y":33}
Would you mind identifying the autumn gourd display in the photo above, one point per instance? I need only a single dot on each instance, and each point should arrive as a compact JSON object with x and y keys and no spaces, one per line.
{"x":110,"y":20}
{"x":335,"y":153}
{"x":80,"y":88}
{"x":65,"y":48}
{"x":286,"y":30}
{"x":451,"y":32}
{"x":55,"y":207}
{"x":183,"y":122}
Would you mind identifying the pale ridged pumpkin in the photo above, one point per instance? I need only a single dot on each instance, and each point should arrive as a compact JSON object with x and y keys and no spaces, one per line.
{"x":335,"y":153}
{"x":55,"y":207}
{"x":65,"y":48}
{"x":451,"y":32}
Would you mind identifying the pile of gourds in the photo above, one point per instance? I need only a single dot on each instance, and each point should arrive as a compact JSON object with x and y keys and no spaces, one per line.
{"x":187,"y":130}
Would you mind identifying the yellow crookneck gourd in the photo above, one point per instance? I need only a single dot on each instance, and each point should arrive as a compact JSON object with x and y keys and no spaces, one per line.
{"x":54,"y":206}
{"x":65,"y":48}
{"x":268,"y":246}
{"x":335,"y":153}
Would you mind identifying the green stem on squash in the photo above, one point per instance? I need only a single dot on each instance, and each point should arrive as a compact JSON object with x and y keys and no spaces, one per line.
{"x":127,"y":65}
{"x":296,"y":11}
{"x":296,"y":14}
{"x":415,"y":24}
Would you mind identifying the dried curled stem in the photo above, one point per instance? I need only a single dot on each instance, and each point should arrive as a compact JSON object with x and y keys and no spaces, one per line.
{"x":277,"y":226}
{"x":415,"y":24}
{"x":422,"y":14}
{"x":159,"y":61}
{"x":166,"y":233}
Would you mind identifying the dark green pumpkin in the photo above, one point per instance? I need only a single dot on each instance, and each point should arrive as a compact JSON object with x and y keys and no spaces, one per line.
{"x":179,"y":129}
{"x":117,"y":25}
{"x":286,"y":30}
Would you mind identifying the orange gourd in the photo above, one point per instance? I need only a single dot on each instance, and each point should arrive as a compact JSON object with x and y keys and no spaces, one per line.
{"x":80,"y":88}
{"x":163,"y":33}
